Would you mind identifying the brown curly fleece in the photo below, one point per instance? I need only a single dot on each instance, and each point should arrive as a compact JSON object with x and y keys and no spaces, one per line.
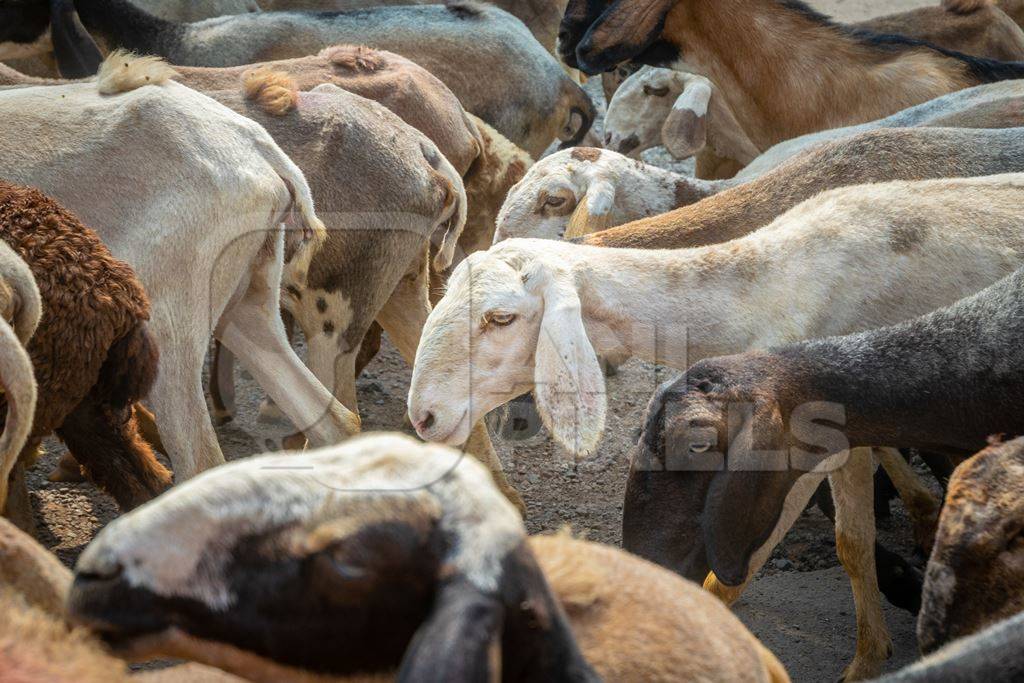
{"x":92,"y":354}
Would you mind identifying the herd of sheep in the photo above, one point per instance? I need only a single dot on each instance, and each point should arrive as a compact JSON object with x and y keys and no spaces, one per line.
{"x":841,"y":285}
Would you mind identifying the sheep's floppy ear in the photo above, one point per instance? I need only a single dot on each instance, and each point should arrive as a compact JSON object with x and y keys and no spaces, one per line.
{"x":459,"y":641}
{"x":685,"y":131}
{"x":76,"y":51}
{"x":594,"y":212}
{"x":622,"y":31}
{"x":744,"y":503}
{"x":568,"y":382}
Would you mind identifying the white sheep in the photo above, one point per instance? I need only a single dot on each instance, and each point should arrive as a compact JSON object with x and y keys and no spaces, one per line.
{"x":579,"y":190}
{"x":534,"y":314}
{"x":209,"y":250}
{"x":682,"y":111}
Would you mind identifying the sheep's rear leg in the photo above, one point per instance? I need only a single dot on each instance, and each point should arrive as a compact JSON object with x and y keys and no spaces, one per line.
{"x":853,"y":492}
{"x":106,"y":441}
{"x":922,"y":505}
{"x":222,"y":385}
{"x":403,"y":317}
{"x":253,"y":330}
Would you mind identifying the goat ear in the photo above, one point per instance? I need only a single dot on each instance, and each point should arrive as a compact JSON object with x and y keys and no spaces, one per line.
{"x":594,"y":212}
{"x":568,"y":383}
{"x":745,"y":502}
{"x":685,"y":131}
{"x":459,"y":641}
{"x":76,"y":51}
{"x":624,"y":30}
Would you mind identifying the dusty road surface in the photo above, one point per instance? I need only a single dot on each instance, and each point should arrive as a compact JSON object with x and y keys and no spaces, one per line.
{"x":801,"y":605}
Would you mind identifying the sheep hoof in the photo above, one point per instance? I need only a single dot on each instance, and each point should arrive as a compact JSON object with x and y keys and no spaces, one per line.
{"x":727,"y":594}
{"x":867,"y":666}
{"x":294,"y":442}
{"x":67,"y":471}
{"x":221,"y":417}
{"x":269,"y":413}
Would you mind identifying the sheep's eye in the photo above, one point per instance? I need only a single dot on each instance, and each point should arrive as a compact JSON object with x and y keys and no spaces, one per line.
{"x":656,"y":92}
{"x":699,"y":448}
{"x":554,"y":201}
{"x":500,"y":319}
{"x":1016,"y":542}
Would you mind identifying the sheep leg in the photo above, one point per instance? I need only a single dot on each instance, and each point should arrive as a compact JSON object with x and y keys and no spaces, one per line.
{"x":403,"y":317}
{"x":177,"y":397}
{"x":222,"y":384}
{"x":106,"y":441}
{"x":18,"y":507}
{"x":922,"y":505}
{"x":253,"y":330}
{"x":853,"y":490}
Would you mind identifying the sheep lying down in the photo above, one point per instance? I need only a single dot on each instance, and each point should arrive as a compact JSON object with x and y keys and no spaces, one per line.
{"x":385,"y":554}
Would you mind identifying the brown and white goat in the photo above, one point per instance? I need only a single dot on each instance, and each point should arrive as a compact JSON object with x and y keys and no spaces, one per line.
{"x":784,"y":69}
{"x":93,"y":354}
{"x":413,"y":564}
{"x":975,"y":575}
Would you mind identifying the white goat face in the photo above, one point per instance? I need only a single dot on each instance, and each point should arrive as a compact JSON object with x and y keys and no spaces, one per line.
{"x":639,"y":108}
{"x":544,"y":203}
{"x":510,"y":322}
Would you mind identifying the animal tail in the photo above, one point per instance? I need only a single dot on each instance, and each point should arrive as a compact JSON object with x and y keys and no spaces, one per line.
{"x":130,"y":369}
{"x":122,"y":71}
{"x":274,"y":91}
{"x":306,"y":233}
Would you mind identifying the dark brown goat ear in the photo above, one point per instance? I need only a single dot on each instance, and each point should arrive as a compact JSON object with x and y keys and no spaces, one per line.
{"x":624,"y":30}
{"x":76,"y":51}
{"x":516,"y":632}
{"x":459,"y":641}
{"x":744,"y":502}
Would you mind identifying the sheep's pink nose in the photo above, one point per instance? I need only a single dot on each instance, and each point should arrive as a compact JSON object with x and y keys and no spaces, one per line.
{"x":426,"y":421}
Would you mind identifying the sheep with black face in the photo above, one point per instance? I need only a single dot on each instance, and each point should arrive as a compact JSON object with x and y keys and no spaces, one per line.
{"x":386,"y":554}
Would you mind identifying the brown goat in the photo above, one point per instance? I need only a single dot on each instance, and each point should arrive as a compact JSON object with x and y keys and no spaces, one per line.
{"x":975,"y":575}
{"x":784,"y":69}
{"x":93,"y":356}
{"x":976,"y":28}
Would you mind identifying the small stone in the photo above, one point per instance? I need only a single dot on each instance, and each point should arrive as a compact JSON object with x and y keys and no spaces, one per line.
{"x":783,"y":564}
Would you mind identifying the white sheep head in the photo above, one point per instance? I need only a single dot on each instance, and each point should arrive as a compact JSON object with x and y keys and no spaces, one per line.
{"x":659,"y":107}
{"x":511,"y":321}
{"x":583,"y":190}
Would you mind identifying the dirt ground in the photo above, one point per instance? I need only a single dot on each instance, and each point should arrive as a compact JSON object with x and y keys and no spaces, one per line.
{"x":800,"y":606}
